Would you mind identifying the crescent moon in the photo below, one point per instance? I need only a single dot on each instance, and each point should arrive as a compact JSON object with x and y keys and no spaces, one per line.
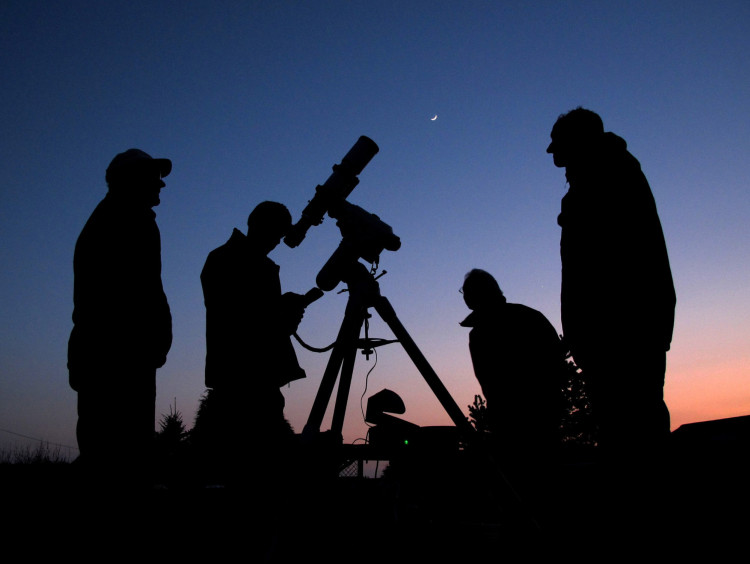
{"x":433,"y":119}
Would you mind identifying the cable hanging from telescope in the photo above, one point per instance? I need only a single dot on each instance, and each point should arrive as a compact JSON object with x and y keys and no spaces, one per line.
{"x":314,"y":349}
{"x":373,"y":341}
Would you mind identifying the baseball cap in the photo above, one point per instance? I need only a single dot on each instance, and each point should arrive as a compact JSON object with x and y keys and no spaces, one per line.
{"x":132,"y":160}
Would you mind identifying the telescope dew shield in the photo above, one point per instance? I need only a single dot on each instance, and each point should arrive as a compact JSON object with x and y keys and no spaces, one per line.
{"x":336,"y":189}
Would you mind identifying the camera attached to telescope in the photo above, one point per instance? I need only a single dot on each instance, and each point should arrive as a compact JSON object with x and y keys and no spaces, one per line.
{"x":364,"y":235}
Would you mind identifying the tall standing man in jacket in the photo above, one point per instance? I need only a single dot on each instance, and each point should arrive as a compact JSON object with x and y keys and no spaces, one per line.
{"x":617,"y":297}
{"x":122,"y":322}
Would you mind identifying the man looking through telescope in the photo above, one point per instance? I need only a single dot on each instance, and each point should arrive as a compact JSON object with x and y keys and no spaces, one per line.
{"x":249,"y":351}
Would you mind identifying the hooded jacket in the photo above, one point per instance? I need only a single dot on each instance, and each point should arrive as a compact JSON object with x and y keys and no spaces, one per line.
{"x":617,"y":287}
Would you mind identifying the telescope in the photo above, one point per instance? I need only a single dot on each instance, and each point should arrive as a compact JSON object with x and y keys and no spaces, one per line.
{"x":335,"y":190}
{"x":364,"y":235}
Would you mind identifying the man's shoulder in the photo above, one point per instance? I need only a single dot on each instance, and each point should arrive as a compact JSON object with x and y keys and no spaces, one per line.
{"x":107,"y":220}
{"x":104,"y":211}
{"x":522,"y":309}
{"x":234,"y":256}
{"x":231,"y":246}
{"x":527,"y":314}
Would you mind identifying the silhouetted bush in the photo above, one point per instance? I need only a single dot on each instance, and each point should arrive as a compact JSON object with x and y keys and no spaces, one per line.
{"x":578,"y":429}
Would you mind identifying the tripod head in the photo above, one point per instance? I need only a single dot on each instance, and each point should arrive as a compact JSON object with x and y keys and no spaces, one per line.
{"x":364,"y":235}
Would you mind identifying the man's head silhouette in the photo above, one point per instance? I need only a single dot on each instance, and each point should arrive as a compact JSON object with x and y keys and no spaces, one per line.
{"x":136,"y":176}
{"x":480,"y":290}
{"x":573,"y":135}
{"x":267,"y":225}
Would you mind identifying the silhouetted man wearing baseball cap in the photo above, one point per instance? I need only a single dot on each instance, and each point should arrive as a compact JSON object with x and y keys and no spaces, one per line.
{"x":122,"y":322}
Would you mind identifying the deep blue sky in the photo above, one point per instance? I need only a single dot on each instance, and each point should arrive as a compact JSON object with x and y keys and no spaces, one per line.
{"x":257,"y":100}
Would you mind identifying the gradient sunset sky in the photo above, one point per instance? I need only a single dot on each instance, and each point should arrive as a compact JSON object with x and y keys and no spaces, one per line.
{"x":258,"y":100}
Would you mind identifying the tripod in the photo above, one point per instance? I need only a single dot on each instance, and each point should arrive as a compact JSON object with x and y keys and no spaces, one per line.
{"x":364,"y":292}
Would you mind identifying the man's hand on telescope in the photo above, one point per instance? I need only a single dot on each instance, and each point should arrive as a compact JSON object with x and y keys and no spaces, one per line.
{"x":292,"y":311}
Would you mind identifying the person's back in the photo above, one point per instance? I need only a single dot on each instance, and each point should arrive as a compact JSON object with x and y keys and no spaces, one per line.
{"x":614,"y":258}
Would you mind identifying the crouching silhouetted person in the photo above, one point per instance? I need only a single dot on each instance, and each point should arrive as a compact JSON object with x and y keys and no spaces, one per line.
{"x":122,"y":323}
{"x":519,"y":362}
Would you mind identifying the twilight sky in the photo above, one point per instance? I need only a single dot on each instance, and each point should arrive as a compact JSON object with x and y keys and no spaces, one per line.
{"x":257,"y":100}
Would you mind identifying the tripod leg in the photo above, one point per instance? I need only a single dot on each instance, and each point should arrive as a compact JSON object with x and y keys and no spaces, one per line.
{"x":342,"y":397}
{"x":388,"y":314}
{"x":346,"y":341}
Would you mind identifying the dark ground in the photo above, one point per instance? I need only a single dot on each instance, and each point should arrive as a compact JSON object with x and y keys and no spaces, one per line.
{"x":695,"y":502}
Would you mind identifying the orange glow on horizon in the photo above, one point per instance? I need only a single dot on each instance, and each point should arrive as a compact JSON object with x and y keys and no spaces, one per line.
{"x":692,"y":396}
